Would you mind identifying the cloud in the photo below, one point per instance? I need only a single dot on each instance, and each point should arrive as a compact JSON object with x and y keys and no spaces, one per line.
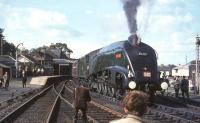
{"x":172,"y":36}
{"x":188,"y":17}
{"x":34,"y":18}
{"x":40,"y":18}
{"x":165,"y":2}
{"x":113,"y":27}
{"x":36,"y":25}
{"x":174,"y":48}
{"x":80,"y":48}
{"x":89,"y":12}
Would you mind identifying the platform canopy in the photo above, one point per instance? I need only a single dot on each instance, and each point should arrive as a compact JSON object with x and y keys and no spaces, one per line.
{"x":24,"y":59}
{"x":4,"y":66}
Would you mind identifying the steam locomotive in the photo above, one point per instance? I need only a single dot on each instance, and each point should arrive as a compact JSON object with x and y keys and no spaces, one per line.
{"x":121,"y":66}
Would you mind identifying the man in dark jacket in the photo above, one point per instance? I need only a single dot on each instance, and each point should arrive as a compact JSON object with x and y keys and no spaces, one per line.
{"x":81,"y":97}
{"x":184,"y":88}
{"x":176,"y":86}
{"x":24,"y":79}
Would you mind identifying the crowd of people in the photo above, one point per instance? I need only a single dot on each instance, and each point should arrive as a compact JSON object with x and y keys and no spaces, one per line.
{"x":181,"y":83}
{"x":5,"y":79}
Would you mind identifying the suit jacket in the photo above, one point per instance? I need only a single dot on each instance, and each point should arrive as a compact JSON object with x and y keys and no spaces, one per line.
{"x":81,"y":97}
{"x":24,"y":78}
{"x":128,"y":119}
{"x":184,"y":85}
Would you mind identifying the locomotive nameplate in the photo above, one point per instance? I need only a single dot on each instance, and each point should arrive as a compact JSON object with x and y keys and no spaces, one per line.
{"x":147,"y":74}
{"x":142,"y":54}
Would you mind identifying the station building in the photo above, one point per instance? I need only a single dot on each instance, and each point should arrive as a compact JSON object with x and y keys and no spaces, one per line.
{"x":46,"y":61}
{"x":7,"y":64}
{"x":188,"y":70}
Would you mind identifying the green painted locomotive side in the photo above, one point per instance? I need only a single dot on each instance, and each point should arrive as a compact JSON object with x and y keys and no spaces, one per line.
{"x":82,"y":66}
{"x":107,"y":59}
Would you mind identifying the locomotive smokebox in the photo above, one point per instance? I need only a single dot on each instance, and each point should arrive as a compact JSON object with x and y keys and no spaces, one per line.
{"x":134,"y":40}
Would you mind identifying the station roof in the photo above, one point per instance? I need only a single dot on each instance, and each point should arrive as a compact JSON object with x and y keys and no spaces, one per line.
{"x":25,"y":58}
{"x":63,"y":61}
{"x":4,"y":66}
{"x":7,"y":60}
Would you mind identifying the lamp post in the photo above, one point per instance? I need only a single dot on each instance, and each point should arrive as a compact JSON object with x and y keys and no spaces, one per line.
{"x":16,"y":64}
{"x":197,"y":64}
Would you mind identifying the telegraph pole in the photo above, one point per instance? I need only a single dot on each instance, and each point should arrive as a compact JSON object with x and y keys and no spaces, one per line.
{"x":197,"y":64}
{"x":1,"y":39}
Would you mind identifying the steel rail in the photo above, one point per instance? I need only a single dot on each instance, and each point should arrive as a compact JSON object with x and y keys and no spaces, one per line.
{"x":196,"y":108}
{"x":16,"y":98}
{"x":71,"y":105}
{"x":179,"y":111}
{"x":8,"y":118}
{"x":51,"y":116}
{"x":118,"y":114}
{"x":162,"y":114}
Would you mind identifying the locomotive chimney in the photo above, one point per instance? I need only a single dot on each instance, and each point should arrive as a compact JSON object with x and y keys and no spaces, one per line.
{"x":134,"y":40}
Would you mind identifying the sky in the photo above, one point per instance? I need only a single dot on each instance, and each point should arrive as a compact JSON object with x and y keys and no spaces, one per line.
{"x":169,"y":26}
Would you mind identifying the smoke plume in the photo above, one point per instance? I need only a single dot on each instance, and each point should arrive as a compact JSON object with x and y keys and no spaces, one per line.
{"x":144,"y":16}
{"x":130,"y":8}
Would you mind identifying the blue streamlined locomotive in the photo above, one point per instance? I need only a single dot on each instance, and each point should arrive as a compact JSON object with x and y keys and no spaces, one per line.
{"x":121,"y":66}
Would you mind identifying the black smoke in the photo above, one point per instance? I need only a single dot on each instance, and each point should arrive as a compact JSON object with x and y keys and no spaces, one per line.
{"x":130,"y":8}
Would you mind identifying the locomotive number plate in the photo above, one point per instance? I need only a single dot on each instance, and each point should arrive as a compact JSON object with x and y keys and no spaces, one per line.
{"x":147,"y":74}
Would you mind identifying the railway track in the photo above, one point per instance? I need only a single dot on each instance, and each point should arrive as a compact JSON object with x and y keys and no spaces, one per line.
{"x":8,"y":105}
{"x":35,"y":109}
{"x":54,"y":104}
{"x":180,"y":99}
{"x":97,"y":113}
{"x":174,"y":112}
{"x":168,"y":114}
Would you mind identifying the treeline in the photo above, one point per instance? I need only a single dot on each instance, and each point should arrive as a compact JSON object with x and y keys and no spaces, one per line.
{"x":10,"y":49}
{"x":6,"y":47}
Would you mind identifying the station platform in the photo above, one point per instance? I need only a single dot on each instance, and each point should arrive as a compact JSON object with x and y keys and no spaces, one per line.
{"x":15,"y":88}
{"x":15,"y":85}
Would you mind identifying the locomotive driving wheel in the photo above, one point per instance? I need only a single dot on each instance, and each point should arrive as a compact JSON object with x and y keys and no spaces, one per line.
{"x":100,"y":88}
{"x":113,"y":92}
{"x":105,"y":90}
